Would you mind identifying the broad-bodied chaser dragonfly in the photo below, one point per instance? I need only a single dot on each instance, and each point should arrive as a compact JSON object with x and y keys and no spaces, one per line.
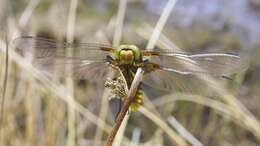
{"x":90,"y":59}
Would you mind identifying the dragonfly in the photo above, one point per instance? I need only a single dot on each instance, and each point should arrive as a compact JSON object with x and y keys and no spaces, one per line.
{"x":95,"y":59}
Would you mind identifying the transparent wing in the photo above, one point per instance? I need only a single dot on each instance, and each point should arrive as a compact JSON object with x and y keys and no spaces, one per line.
{"x":165,"y":81}
{"x":43,"y":48}
{"x":86,"y":59}
{"x":177,"y":70}
{"x":210,"y":63}
{"x":80,"y":68}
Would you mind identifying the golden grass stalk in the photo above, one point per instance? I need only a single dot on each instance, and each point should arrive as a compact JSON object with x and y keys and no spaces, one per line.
{"x":102,"y":115}
{"x":160,"y":24}
{"x":222,"y":108}
{"x":151,"y":43}
{"x":130,"y":96}
{"x":135,"y":137}
{"x":69,"y":81}
{"x":4,"y":90}
{"x":104,"y":102}
{"x":120,"y":134}
{"x":119,"y":22}
{"x":176,"y":139}
{"x":27,"y":13}
{"x":184,"y":132}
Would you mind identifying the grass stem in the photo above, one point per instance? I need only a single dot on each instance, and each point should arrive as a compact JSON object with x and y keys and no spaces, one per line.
{"x":131,"y":94}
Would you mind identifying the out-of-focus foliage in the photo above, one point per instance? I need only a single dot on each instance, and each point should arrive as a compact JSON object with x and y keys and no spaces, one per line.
{"x":34,"y":116}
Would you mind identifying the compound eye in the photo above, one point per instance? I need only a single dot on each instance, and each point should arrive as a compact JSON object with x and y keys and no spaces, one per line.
{"x":126,"y":56}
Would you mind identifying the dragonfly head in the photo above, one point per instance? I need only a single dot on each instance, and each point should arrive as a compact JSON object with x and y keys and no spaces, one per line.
{"x":128,"y":54}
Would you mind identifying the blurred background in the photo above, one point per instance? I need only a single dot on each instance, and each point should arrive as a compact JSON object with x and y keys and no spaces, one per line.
{"x":43,"y":112}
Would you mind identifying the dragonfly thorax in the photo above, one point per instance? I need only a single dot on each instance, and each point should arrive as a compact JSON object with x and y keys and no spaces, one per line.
{"x":128,"y":54}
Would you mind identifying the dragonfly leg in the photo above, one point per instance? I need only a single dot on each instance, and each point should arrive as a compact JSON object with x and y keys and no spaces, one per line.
{"x":111,"y":61}
{"x":227,"y":77}
{"x":149,"y":66}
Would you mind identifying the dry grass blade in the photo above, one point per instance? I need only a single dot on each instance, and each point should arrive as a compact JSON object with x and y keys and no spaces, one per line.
{"x":160,"y":24}
{"x":28,"y":12}
{"x":102,"y":115}
{"x":119,"y":22}
{"x":131,"y":94}
{"x":104,"y":103}
{"x":135,"y":137}
{"x":69,"y":81}
{"x":151,"y":43}
{"x":183,"y":132}
{"x":176,"y":139}
{"x":120,"y":133}
{"x":4,"y":90}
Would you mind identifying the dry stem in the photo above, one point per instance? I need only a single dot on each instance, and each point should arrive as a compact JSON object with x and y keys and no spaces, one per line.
{"x":69,"y":82}
{"x":127,"y":102}
{"x":4,"y":89}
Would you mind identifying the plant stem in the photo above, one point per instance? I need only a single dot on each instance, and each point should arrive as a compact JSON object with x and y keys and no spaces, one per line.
{"x":4,"y":91}
{"x":127,"y":102}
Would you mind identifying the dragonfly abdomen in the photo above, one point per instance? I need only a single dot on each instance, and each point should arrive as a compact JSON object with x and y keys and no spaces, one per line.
{"x":138,"y":100}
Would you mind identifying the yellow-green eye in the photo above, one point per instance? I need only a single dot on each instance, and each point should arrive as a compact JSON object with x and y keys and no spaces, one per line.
{"x":135,"y":50}
{"x":126,"y":56}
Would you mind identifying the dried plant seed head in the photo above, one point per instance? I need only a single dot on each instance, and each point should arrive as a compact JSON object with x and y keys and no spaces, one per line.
{"x":117,"y":87}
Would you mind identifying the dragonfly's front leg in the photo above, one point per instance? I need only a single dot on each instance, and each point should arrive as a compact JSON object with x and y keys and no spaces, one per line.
{"x":149,"y":66}
{"x":111,"y":60}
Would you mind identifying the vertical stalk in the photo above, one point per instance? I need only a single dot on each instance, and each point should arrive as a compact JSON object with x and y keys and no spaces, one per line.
{"x":119,"y":22}
{"x":4,"y":91}
{"x":130,"y":97}
{"x":69,"y":82}
{"x":160,"y":24}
